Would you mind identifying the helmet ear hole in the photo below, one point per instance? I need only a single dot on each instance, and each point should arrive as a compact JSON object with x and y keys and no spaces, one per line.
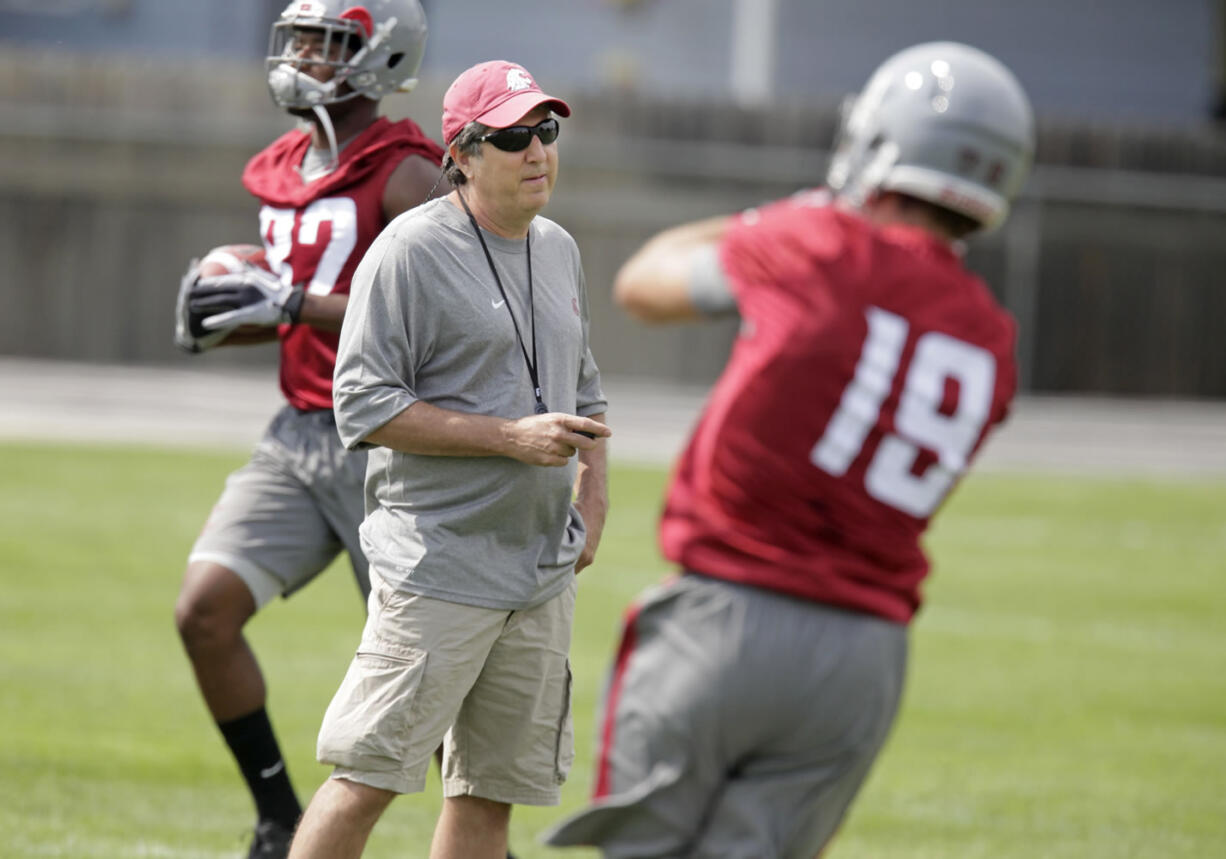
{"x":394,"y":60}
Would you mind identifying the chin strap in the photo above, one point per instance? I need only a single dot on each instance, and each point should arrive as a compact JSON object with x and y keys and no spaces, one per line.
{"x":321,"y":113}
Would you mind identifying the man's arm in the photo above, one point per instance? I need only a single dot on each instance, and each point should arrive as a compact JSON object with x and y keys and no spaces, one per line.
{"x":249,"y":335}
{"x":414,"y":180}
{"x":549,"y":439}
{"x":657,"y":283}
{"x":592,"y":495}
{"x":325,"y":312}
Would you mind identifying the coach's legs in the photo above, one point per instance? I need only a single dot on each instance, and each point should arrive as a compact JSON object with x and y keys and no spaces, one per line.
{"x":213,"y":606}
{"x":471,"y":827}
{"x":339,"y":820}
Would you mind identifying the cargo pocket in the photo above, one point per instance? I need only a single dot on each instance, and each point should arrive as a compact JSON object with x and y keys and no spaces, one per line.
{"x":564,"y":749}
{"x":368,"y":724}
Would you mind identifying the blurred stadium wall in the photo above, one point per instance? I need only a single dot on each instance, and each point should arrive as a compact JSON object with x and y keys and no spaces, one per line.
{"x":124,"y":126}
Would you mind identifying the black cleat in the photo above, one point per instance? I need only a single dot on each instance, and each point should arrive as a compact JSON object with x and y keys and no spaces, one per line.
{"x":271,"y":841}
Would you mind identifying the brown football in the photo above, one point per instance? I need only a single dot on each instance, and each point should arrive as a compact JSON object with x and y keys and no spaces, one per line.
{"x":229,"y":259}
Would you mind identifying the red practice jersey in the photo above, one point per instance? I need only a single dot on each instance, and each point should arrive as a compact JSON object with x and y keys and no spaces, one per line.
{"x":316,"y":233}
{"x":869,"y":368}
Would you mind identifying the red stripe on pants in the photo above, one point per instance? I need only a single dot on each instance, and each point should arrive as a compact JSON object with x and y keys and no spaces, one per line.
{"x":629,"y":639}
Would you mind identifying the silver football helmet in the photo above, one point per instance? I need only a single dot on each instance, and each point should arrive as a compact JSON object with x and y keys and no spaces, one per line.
{"x":943,"y":122}
{"x":374,"y":46}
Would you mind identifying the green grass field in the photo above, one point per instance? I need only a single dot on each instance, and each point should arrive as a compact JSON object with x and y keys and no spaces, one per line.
{"x":1067,"y":694}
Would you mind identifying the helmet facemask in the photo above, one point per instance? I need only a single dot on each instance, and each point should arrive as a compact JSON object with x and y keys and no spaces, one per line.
{"x":373,"y":50}
{"x":336,"y":44}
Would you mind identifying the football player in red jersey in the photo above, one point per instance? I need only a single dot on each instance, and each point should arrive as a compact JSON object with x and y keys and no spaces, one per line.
{"x":751,"y":693}
{"x":325,"y":192}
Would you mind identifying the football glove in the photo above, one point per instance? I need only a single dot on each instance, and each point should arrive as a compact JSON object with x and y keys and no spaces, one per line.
{"x":190,"y":333}
{"x":250,"y":297}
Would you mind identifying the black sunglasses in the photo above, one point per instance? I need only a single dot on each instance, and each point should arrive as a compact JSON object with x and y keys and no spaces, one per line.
{"x":517,"y":138}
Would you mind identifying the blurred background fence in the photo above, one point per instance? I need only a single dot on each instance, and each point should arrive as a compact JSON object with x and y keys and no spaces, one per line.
{"x":115,"y":169}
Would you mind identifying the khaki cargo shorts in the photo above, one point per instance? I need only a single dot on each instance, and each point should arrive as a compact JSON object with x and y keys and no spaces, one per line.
{"x":493,"y":686}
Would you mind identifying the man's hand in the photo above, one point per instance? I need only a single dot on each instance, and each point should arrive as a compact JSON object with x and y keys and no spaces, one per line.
{"x":595,"y":527}
{"x":250,"y":297}
{"x":551,"y":439}
{"x":592,"y":497}
{"x":190,"y":333}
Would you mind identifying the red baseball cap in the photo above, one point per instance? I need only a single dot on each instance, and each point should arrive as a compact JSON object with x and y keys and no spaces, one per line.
{"x":497,"y":94}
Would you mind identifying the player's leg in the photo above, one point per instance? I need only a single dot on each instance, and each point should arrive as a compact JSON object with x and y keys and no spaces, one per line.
{"x":265,"y":537}
{"x":826,"y":684}
{"x":780,"y":809}
{"x":213,"y":606}
{"x":214,"y":603}
{"x":737,"y":723}
{"x":659,"y":760}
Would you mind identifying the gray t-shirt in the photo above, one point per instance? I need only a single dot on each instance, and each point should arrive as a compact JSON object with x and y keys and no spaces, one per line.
{"x":426,"y":322}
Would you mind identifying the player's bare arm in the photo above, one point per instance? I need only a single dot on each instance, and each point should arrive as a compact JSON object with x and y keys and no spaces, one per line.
{"x":249,"y":336}
{"x":550,"y":439}
{"x":654,"y":284}
{"x":415,"y":180}
{"x":325,"y":312}
{"x":592,"y":496}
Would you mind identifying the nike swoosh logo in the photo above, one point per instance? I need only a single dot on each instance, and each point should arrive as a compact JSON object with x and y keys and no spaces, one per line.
{"x":497,"y":304}
{"x":272,"y":770}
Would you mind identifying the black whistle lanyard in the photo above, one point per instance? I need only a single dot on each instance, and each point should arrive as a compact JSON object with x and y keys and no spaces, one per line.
{"x":541,"y":408}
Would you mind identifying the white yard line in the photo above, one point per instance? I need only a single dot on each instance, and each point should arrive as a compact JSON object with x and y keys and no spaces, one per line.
{"x":215,"y":406}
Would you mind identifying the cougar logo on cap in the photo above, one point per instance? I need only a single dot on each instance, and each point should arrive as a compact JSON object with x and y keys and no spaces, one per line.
{"x":518,"y":79}
{"x":496,"y":93}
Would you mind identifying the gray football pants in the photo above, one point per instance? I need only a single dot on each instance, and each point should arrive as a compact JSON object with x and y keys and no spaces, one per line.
{"x":738,"y":723}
